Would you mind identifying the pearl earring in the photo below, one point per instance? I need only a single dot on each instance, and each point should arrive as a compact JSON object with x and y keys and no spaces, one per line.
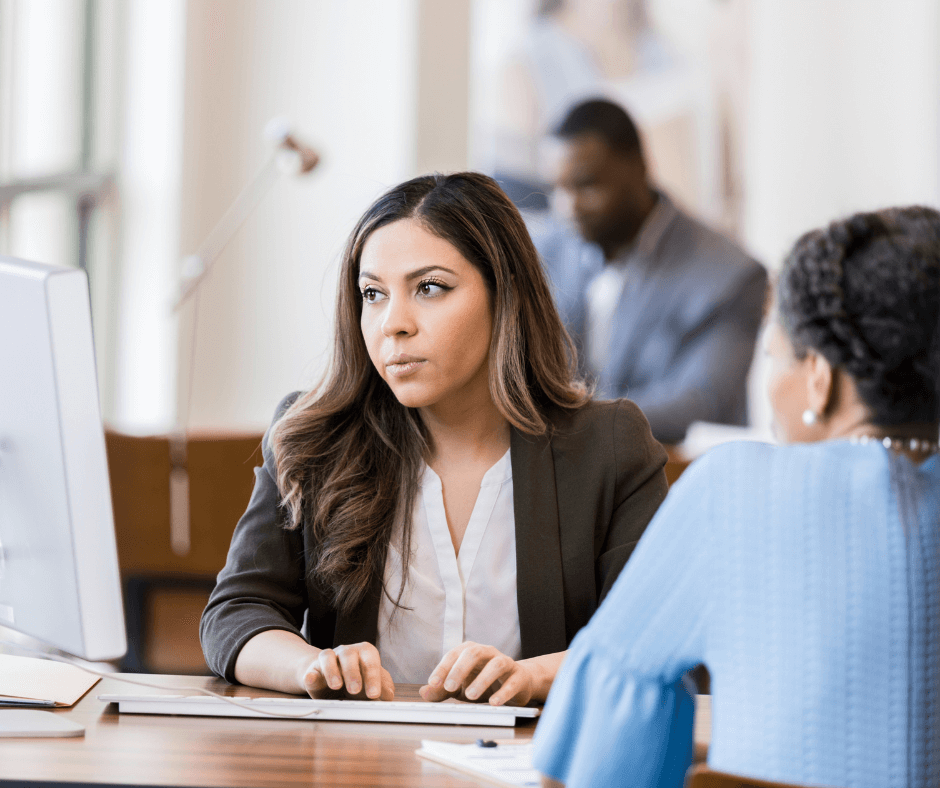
{"x":810,"y":417}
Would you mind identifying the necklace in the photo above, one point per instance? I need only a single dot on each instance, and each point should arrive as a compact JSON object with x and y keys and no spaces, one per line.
{"x":898,"y":444}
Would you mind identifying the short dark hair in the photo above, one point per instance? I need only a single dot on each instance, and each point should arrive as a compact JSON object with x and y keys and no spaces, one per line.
{"x":607,"y":120}
{"x":865,"y":293}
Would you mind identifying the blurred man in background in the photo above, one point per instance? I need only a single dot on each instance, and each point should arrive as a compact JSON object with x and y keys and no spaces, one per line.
{"x":663,"y":310}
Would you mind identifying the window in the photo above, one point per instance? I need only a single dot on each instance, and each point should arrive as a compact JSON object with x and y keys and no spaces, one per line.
{"x":58,"y":149}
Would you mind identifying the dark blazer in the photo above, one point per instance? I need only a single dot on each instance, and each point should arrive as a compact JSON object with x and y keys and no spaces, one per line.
{"x":684,"y":330}
{"x":582,"y":498}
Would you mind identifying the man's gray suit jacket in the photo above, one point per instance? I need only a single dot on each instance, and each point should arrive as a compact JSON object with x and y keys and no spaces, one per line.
{"x":684,"y":331}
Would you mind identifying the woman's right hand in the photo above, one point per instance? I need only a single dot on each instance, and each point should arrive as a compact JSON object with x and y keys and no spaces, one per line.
{"x":352,"y":671}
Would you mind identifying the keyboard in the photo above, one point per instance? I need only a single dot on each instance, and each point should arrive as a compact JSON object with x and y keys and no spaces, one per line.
{"x":449,"y":712}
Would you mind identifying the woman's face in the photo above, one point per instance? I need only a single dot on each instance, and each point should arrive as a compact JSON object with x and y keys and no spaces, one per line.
{"x":787,"y":386}
{"x":426,"y":317}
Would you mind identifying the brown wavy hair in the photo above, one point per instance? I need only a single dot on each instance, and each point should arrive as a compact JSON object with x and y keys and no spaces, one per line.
{"x":348,"y":454}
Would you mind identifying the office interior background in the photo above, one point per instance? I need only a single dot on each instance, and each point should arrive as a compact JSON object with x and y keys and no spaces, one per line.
{"x":128,"y":127}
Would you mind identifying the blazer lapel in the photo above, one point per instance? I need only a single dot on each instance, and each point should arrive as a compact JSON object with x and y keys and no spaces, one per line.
{"x":539,"y":582}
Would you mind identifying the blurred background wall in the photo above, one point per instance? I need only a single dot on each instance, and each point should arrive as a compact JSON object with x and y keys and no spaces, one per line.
{"x":127,"y":127}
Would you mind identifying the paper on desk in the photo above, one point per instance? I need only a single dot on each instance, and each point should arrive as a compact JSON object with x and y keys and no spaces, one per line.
{"x":43,"y":679}
{"x":508,"y":764}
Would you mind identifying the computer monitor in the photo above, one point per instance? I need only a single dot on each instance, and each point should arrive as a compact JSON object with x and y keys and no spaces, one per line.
{"x":59,"y":580}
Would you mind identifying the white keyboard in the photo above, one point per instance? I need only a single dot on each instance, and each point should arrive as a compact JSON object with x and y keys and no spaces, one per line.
{"x":449,"y":712}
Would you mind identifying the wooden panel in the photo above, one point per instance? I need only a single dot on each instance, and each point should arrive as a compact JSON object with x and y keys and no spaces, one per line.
{"x":674,"y":469}
{"x":163,"y":589}
{"x":676,"y":463}
{"x":171,"y":630}
{"x":221,"y":477}
{"x":140,"y":495}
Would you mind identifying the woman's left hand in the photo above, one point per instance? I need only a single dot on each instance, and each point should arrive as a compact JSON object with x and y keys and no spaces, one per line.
{"x":479,"y":673}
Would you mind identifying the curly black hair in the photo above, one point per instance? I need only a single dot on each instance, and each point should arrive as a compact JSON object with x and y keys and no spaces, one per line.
{"x":865,"y":293}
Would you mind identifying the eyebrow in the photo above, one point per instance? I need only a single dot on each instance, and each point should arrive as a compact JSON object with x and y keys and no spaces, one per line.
{"x":413,"y":275}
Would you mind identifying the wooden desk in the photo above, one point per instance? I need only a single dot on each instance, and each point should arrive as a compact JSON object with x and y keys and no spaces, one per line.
{"x":220,"y":751}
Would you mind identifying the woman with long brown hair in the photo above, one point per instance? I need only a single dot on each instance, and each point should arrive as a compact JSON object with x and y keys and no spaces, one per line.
{"x":449,"y":506}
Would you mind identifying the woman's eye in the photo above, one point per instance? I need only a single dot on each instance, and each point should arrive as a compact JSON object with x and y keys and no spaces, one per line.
{"x":370,"y":295}
{"x":431,"y":289}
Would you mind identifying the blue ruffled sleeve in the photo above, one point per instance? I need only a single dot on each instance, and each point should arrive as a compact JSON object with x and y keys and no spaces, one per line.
{"x":620,"y":711}
{"x":602,"y":727}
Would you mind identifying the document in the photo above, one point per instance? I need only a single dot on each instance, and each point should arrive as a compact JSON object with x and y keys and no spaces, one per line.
{"x":28,"y":681}
{"x":509,"y":763}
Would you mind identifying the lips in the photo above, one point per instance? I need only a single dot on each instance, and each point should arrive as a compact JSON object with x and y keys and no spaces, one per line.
{"x":403,"y":364}
{"x":401,"y":358}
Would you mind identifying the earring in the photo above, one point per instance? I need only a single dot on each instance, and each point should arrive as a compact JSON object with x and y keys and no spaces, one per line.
{"x":810,"y":417}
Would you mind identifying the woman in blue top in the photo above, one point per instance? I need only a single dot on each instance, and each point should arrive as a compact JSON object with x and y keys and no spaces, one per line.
{"x":806,"y":577}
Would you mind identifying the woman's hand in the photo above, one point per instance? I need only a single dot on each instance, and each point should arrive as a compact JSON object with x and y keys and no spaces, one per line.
{"x":353,"y":671}
{"x":479,"y":673}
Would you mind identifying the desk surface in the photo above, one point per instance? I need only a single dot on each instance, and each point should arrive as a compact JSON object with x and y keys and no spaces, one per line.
{"x":219,"y":751}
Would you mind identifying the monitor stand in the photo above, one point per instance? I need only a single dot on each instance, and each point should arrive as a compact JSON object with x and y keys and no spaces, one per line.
{"x":33,"y":724}
{"x":29,"y":723}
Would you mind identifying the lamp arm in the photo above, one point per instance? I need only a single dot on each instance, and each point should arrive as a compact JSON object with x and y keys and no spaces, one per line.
{"x":292,"y":156}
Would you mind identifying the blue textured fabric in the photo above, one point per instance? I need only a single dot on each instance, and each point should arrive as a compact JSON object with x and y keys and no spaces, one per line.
{"x":807,"y":579}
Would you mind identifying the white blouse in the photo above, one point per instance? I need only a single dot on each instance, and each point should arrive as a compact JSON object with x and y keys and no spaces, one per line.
{"x":448,"y":597}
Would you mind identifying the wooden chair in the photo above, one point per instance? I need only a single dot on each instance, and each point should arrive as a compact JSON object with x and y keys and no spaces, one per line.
{"x":675,"y":464}
{"x":703,"y":777}
{"x":165,"y":590}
